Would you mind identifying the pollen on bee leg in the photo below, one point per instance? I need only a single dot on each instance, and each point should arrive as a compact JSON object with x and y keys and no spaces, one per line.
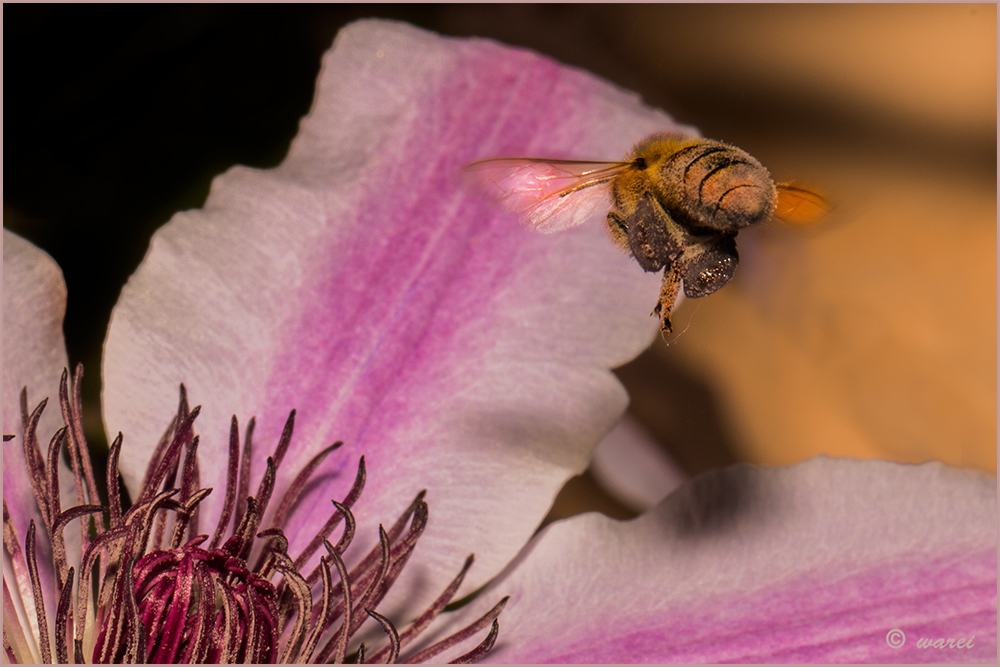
{"x":669,"y":292}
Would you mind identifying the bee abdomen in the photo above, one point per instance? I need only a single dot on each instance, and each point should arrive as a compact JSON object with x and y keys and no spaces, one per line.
{"x":718,"y":187}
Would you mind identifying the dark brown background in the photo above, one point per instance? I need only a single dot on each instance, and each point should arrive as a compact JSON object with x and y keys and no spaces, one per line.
{"x":877,"y":333}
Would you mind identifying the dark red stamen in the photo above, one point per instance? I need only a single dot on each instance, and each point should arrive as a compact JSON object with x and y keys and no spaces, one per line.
{"x":164,"y":597}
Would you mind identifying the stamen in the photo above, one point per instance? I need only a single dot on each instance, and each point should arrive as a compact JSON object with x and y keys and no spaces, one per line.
{"x":33,"y":457}
{"x":284,"y":440}
{"x":170,"y":458}
{"x":83,"y":590}
{"x":389,"y":630}
{"x":303,"y":599}
{"x":76,"y":433}
{"x":244,"y":491}
{"x":114,"y":499}
{"x":234,"y":545}
{"x":461,"y":635}
{"x":74,"y":513}
{"x":36,"y":589}
{"x":206,"y":606}
{"x":403,"y":550}
{"x":368,"y":599}
{"x":165,"y":598}
{"x":135,"y":650}
{"x":331,"y":523}
{"x":431,"y":612}
{"x":231,"y":473}
{"x":349,"y":626}
{"x":230,"y":635}
{"x":58,"y":544}
{"x":478,"y":653}
{"x":160,"y":451}
{"x":349,"y":527}
{"x":183,"y":517}
{"x":84,"y":483}
{"x":394,"y":532}
{"x":263,"y":498}
{"x":64,"y":618}
{"x":268,"y":557}
{"x":166,"y":471}
{"x":319,"y":621}
{"x":24,"y":409}
{"x":340,"y":646}
{"x":299,"y":483}
{"x":189,"y":482}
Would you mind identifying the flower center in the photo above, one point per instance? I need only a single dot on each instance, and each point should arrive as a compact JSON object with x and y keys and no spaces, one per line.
{"x":189,"y":596}
{"x":168,"y":593}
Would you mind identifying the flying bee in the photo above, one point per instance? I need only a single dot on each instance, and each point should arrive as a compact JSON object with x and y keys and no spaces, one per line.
{"x":677,"y":204}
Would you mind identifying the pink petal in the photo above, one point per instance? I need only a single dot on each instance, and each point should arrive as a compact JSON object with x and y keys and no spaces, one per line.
{"x":817,"y":562}
{"x":363,"y":283}
{"x":34,"y":356}
{"x":633,"y":467}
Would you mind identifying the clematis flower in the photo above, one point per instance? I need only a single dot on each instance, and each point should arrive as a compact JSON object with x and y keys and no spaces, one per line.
{"x":362,"y":285}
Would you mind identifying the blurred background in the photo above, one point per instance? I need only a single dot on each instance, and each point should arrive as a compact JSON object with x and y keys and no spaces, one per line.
{"x":870,"y":334}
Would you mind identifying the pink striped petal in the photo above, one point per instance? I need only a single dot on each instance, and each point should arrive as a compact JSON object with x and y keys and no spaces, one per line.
{"x":363,"y":283}
{"x":817,"y":562}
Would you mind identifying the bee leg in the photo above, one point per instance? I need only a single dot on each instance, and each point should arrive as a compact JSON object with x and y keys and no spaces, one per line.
{"x":708,"y":266}
{"x":669,"y":291}
{"x":649,"y":235}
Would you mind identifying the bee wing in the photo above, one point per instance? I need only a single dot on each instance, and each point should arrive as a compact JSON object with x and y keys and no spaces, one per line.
{"x":800,"y":206}
{"x":548,"y":195}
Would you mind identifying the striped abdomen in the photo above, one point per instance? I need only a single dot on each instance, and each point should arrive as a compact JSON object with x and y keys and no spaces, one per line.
{"x":711,"y":185}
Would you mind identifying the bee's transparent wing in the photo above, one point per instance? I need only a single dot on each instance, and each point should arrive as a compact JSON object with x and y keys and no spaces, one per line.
{"x":800,"y":206}
{"x":548,"y":195}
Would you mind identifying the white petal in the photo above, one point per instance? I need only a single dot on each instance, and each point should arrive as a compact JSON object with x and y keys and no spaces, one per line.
{"x":816,"y":562}
{"x":633,"y":467}
{"x":34,"y":351}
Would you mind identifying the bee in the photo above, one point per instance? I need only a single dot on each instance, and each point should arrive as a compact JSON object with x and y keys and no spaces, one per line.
{"x":676,"y":204}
